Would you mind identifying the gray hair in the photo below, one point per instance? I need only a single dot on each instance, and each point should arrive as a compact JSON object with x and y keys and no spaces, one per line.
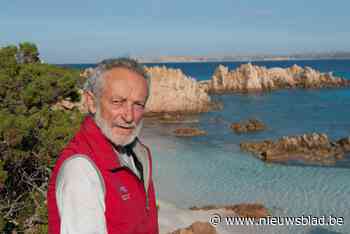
{"x":94,"y":83}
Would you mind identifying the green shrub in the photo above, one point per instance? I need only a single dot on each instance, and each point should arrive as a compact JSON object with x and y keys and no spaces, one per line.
{"x":31,"y":133}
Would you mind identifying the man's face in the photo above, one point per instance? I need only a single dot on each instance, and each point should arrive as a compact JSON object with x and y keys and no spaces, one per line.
{"x":120,"y":108}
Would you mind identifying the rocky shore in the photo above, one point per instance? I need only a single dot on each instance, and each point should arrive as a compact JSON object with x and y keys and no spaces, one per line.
{"x":173,"y":220}
{"x":252,"y":78}
{"x":171,"y":91}
{"x":310,"y":148}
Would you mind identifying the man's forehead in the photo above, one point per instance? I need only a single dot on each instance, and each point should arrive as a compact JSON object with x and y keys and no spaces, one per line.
{"x":122,"y":73}
{"x":122,"y":82}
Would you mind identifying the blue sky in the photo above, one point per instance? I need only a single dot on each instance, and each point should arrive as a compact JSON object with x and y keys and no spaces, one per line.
{"x":77,"y":31}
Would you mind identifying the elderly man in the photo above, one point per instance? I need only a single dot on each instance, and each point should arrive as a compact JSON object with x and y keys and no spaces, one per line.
{"x":102,"y":181}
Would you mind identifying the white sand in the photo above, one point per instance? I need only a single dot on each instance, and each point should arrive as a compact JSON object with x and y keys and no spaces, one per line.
{"x":172,"y":218}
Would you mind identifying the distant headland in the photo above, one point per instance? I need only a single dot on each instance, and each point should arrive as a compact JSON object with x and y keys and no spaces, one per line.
{"x":251,"y":57}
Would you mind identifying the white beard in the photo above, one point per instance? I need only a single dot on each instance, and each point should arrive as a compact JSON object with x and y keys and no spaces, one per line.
{"x":118,"y":140}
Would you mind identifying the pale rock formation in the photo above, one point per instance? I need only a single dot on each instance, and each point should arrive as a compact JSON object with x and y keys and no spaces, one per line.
{"x":251,"y":78}
{"x":173,"y":91}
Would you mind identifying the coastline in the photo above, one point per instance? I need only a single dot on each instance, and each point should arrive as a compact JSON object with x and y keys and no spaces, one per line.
{"x":247,"y":60}
{"x":149,"y":62}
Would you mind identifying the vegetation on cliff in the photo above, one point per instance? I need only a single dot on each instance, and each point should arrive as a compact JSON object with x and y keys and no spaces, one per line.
{"x":31,"y":133}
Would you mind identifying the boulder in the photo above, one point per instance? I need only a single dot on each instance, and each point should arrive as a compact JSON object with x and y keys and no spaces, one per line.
{"x":197,"y":228}
{"x":189,"y":132}
{"x":173,"y":91}
{"x":251,"y":125}
{"x":176,"y":118}
{"x":310,"y":148}
{"x":344,"y":143}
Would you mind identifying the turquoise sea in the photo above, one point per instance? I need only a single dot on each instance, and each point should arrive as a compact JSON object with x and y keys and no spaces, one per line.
{"x":212,"y":170}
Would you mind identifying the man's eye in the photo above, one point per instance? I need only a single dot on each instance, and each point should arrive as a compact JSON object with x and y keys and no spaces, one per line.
{"x":140,"y":105}
{"x":118,"y":102}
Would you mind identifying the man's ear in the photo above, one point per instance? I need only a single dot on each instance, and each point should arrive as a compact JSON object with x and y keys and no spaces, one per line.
{"x":90,"y":101}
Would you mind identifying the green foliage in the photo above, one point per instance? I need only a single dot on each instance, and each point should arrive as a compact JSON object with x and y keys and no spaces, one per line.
{"x":3,"y":174}
{"x":37,"y":85}
{"x":41,"y":229}
{"x":32,"y":133}
{"x":28,"y":53}
{"x":8,"y":62}
{"x":2,"y":223}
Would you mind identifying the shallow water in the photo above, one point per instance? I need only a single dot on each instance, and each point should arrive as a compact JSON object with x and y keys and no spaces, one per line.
{"x":195,"y":173}
{"x":212,"y":170}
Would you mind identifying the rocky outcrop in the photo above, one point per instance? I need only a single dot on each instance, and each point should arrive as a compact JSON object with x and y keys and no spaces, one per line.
{"x":67,"y":104}
{"x":251,"y":78}
{"x":344,"y":144}
{"x":197,"y":228}
{"x":251,"y":125}
{"x":173,"y":91}
{"x":177,"y":118}
{"x":189,"y":132}
{"x":310,"y":148}
{"x":87,"y":72}
{"x":249,"y":210}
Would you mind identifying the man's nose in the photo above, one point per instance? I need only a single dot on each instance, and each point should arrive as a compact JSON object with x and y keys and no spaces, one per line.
{"x":128,"y":113}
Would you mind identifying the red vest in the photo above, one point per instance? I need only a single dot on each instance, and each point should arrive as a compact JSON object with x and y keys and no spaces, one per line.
{"x":128,"y":209}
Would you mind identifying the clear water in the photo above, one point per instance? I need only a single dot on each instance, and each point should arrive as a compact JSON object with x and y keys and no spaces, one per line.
{"x":212,"y":170}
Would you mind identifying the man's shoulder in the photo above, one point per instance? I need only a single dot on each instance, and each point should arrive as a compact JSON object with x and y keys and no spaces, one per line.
{"x":77,"y":175}
{"x":79,"y":167}
{"x":78,"y":163}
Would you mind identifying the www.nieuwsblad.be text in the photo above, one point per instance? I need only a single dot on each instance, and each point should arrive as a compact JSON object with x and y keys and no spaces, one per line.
{"x":304,"y":220}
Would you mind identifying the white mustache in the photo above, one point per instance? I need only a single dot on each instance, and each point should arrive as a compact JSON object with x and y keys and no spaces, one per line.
{"x":131,"y":125}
